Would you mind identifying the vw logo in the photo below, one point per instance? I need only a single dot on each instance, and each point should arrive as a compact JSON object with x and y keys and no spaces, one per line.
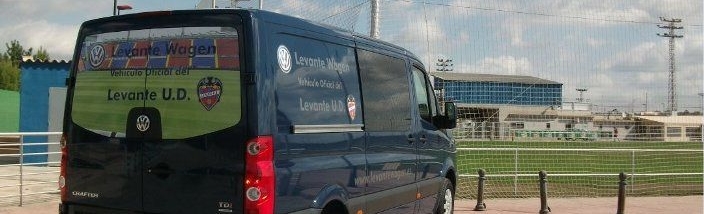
{"x":284,"y":58}
{"x":143,"y":123}
{"x":96,"y":55}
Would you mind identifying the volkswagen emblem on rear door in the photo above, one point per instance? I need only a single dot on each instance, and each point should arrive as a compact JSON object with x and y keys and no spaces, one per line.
{"x":143,"y":123}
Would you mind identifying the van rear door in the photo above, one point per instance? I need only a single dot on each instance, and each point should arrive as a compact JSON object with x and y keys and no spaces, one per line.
{"x":156,"y":114}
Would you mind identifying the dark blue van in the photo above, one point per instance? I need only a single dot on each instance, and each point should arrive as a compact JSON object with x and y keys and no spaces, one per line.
{"x":246,"y":111}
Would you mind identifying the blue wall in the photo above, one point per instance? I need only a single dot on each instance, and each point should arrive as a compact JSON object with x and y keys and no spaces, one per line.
{"x":503,"y":93}
{"x":35,"y":80}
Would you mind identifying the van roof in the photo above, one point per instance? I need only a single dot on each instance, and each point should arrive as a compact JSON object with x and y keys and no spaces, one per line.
{"x":329,"y":30}
{"x":273,"y":17}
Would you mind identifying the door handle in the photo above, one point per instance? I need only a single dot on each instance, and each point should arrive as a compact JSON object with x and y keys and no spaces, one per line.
{"x":160,"y":170}
{"x":411,"y":139}
{"x":423,"y":139}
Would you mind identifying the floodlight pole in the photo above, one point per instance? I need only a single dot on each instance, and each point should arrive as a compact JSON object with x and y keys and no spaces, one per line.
{"x":374,"y":25}
{"x":581,"y":94}
{"x":444,"y":65}
{"x":114,"y":7}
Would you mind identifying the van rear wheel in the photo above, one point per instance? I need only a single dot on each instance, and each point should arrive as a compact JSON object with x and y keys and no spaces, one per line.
{"x":334,"y":207}
{"x":446,"y":199}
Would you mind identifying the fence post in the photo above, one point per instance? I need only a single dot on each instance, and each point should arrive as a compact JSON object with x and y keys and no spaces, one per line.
{"x":633,"y":168}
{"x":21,"y":164}
{"x":621,"y":192}
{"x":481,"y":206}
{"x":544,"y":209}
{"x":515,"y":171}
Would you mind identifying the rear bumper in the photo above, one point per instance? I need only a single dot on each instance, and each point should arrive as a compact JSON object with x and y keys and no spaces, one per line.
{"x":82,"y":209}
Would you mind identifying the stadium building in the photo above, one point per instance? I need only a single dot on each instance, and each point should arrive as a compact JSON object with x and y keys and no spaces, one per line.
{"x":505,"y":107}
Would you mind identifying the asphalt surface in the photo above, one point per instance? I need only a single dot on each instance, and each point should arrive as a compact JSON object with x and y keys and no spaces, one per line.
{"x":638,"y":205}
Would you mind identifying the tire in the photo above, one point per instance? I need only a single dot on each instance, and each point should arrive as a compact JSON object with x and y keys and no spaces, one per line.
{"x":446,"y":198}
{"x":334,"y":208}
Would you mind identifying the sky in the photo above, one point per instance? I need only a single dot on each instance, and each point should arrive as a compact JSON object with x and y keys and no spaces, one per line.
{"x":609,"y":47}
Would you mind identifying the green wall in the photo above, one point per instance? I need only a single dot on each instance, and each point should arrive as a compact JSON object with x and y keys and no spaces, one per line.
{"x":9,"y":111}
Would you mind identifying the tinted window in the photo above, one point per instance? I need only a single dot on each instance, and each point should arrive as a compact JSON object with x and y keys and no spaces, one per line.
{"x":317,"y":82}
{"x":386,"y":92}
{"x":421,"y":91}
{"x":190,"y":75}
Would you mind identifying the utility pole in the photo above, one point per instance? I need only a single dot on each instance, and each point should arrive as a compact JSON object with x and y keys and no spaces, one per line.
{"x":374,"y":25}
{"x":646,"y":101}
{"x":672,"y":84}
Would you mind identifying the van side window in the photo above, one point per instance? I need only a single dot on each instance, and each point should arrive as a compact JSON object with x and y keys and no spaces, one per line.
{"x":385,"y":91}
{"x":427,"y":107}
{"x":321,"y":86}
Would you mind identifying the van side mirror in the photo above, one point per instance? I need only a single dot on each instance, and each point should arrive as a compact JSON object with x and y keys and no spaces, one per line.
{"x":451,"y":114}
{"x":449,"y":119}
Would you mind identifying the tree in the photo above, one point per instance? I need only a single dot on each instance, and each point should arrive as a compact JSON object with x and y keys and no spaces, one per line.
{"x":9,"y":74}
{"x":10,"y":63}
{"x":15,"y":51}
{"x":41,"y":54}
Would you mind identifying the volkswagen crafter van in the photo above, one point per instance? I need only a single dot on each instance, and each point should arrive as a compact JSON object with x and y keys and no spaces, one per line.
{"x":247,"y":111}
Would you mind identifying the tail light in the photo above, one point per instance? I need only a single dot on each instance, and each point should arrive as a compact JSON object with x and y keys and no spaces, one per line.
{"x":259,"y":176}
{"x":62,"y":173}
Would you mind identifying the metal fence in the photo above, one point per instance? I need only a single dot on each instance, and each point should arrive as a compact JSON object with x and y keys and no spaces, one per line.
{"x":575,"y":168}
{"x":625,"y":131}
{"x":24,"y":182}
{"x":580,"y":172}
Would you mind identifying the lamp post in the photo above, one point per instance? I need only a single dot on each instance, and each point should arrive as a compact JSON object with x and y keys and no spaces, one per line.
{"x":608,"y":115}
{"x":116,"y":9}
{"x":123,"y":7}
{"x":701,"y":102}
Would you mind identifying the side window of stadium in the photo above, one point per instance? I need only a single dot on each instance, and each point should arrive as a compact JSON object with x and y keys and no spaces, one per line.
{"x":385,"y":91}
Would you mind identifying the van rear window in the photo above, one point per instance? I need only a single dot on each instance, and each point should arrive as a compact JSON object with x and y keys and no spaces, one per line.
{"x":190,"y":75}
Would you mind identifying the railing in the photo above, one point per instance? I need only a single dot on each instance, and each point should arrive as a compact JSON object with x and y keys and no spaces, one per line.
{"x":20,"y":180}
{"x":628,"y":131}
{"x":675,"y":169}
{"x":584,"y":172}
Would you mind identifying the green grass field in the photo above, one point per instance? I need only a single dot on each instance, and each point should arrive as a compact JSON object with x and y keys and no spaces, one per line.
{"x":102,"y":102}
{"x":658,"y":168}
{"x":9,"y":111}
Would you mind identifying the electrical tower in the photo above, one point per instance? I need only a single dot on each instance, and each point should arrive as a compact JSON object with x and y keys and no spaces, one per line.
{"x":672,"y":84}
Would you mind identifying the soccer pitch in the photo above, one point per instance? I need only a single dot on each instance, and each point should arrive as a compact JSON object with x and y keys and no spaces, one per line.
{"x":581,"y":168}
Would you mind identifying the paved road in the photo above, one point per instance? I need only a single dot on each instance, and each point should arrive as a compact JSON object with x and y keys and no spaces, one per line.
{"x":638,"y":205}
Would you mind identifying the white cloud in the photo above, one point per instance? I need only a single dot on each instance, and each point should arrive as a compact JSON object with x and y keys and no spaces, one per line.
{"x":516,"y":31}
{"x":642,"y":56}
{"x":606,"y":46}
{"x":501,"y":65}
{"x":52,"y":25}
{"x":58,"y":40}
